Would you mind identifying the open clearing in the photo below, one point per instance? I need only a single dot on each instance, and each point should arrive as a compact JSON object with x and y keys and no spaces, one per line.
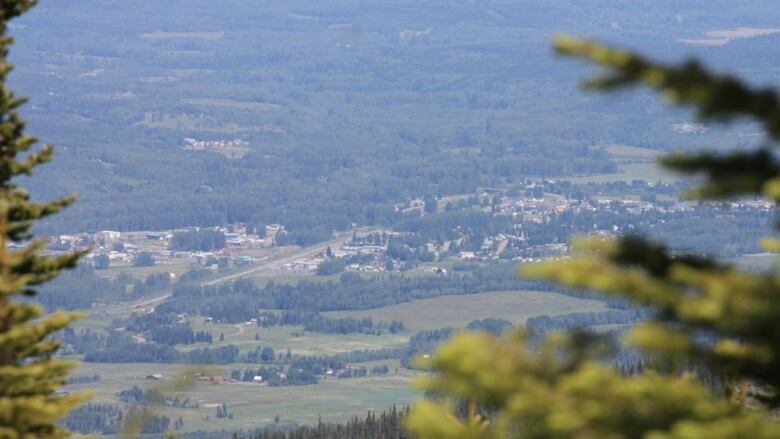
{"x":230,"y":103}
{"x":650,"y":172}
{"x":631,"y":152}
{"x":458,"y":311}
{"x":118,"y":268}
{"x":756,"y":261}
{"x":208,"y":36}
{"x":281,"y":338}
{"x":254,"y":405}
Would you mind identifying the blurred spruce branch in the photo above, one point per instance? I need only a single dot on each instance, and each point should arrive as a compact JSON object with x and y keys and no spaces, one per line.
{"x":715,"y":97}
{"x":718,"y":98}
{"x":30,"y":373}
{"x":706,"y":313}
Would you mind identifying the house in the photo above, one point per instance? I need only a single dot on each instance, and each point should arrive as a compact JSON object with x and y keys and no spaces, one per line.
{"x":272,"y":229}
{"x":467,"y":255}
{"x":257,"y":379}
{"x":213,"y":379}
{"x":109,"y":234}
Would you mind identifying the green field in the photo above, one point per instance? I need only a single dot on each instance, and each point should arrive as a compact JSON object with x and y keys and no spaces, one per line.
{"x":118,"y":268}
{"x":230,"y":103}
{"x":209,"y":36}
{"x":332,"y":399}
{"x":649,"y":171}
{"x":757,"y":261}
{"x":631,"y":152}
{"x":458,"y":311}
{"x":94,"y":322}
{"x":254,"y":405}
{"x":281,"y":338}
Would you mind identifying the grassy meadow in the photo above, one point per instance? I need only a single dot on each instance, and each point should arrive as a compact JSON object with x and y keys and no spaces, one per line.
{"x":255,"y":405}
{"x":281,"y":338}
{"x":457,"y":311}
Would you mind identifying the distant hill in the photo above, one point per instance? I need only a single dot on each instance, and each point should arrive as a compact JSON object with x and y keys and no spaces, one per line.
{"x":318,"y":115}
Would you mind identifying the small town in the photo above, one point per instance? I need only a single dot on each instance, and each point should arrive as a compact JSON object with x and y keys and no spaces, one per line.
{"x":366,"y":249}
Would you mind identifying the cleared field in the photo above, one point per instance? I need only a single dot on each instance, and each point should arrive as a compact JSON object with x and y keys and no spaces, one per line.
{"x":230,"y":103}
{"x":95,"y":322}
{"x":118,"y":268}
{"x":458,"y":311}
{"x":757,"y":261}
{"x":633,"y":152}
{"x":281,"y":338}
{"x":208,"y":36}
{"x":203,"y":123}
{"x":254,"y":405}
{"x":630,"y":171}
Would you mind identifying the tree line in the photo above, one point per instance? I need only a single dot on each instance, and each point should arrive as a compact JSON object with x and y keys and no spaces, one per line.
{"x":243,"y":300}
{"x":198,"y":240}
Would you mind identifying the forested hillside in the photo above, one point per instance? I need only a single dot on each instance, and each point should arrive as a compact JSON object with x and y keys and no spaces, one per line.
{"x":285,"y":205}
{"x":318,"y":115}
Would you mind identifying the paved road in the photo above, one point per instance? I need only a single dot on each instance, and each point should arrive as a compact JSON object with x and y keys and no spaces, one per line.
{"x":274,"y":264}
{"x":268,"y":266}
{"x":124,"y":307}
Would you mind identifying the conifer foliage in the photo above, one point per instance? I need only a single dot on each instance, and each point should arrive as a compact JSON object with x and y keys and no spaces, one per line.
{"x":707,"y":313}
{"x":29,"y":376}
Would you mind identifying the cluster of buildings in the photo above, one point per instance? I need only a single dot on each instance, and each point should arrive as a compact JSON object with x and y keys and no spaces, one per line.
{"x":243,"y":246}
{"x":232,"y":149}
{"x":371,"y":256}
{"x":125,"y":248}
{"x":542,"y":209}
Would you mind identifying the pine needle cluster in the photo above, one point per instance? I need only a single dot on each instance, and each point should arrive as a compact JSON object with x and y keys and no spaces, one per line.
{"x":30,"y":376}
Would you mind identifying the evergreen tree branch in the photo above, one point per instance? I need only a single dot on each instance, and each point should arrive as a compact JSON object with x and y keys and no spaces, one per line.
{"x":716,"y":97}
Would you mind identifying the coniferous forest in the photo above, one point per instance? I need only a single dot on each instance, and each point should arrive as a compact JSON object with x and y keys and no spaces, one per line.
{"x":393,"y":219}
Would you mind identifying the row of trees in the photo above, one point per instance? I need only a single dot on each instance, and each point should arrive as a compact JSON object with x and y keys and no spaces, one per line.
{"x":242,"y":300}
{"x":123,"y":348}
{"x":81,"y":288}
{"x":179,"y":334}
{"x":198,"y":240}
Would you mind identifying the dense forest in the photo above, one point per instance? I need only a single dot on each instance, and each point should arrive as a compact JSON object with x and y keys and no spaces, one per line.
{"x":82,"y":287}
{"x":110,"y":419}
{"x":286,"y":131}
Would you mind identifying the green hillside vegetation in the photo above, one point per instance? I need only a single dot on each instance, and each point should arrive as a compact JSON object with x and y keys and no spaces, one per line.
{"x":255,"y":405}
{"x":458,"y":311}
{"x":439,"y":136}
{"x":345,"y":108}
